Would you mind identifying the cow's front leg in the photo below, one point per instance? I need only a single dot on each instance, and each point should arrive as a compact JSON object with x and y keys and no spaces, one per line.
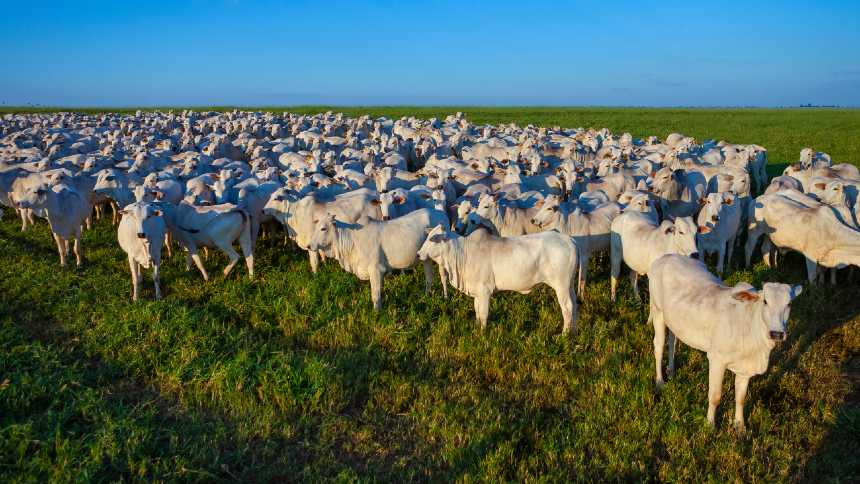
{"x":132,"y":265}
{"x":376,"y":288}
{"x":155,"y":281}
{"x":741,"y":384}
{"x":716,"y":369}
{"x":61,"y":248}
{"x":482,"y":309}
{"x":199,"y":263}
{"x":77,"y":248}
{"x":314,"y":260}
{"x":428,"y":275}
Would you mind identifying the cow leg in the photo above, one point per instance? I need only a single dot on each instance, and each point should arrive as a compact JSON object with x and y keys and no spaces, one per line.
{"x":314,"y":259}
{"x":232,"y":254}
{"x":634,"y":281}
{"x":77,"y":249}
{"x":615,"y":263}
{"x":168,"y":243}
{"x":135,"y":280}
{"x":672,"y":341}
{"x":376,"y":288}
{"x":187,"y":260}
{"x":199,"y":263}
{"x":443,"y":278}
{"x":482,"y":309}
{"x":753,"y":235}
{"x":716,"y":369}
{"x":61,"y":248}
{"x":155,"y":281}
{"x":656,"y":318}
{"x":567,"y":301}
{"x":730,"y":249}
{"x":833,"y":276}
{"x":741,"y":383}
{"x":583,"y":273}
{"x":247,"y":243}
{"x":811,"y":270}
{"x":25,"y":217}
{"x":721,"y":258}
{"x":428,"y":275}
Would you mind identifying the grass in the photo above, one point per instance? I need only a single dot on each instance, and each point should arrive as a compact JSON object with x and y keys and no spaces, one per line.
{"x":292,"y":376}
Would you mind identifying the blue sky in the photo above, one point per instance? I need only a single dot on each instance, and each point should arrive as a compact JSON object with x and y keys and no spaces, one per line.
{"x":244,"y":52}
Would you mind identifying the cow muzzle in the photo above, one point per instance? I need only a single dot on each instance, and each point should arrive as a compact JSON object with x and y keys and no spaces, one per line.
{"x":778,"y":336}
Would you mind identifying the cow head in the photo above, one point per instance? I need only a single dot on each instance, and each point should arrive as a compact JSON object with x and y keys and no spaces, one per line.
{"x":324,"y":233}
{"x":773,"y":303}
{"x":145,"y":220}
{"x":549,"y":213}
{"x":682,"y":232}
{"x":433,"y":247}
{"x":33,"y":197}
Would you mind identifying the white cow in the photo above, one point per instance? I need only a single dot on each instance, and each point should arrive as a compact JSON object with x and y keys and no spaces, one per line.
{"x":719,"y":222}
{"x":66,"y":211}
{"x":482,"y":264}
{"x":736,"y":326}
{"x":300,"y":215}
{"x":638,"y":241}
{"x":370,"y":249}
{"x":141,"y":234}
{"x":792,"y":220}
{"x":216,"y":226}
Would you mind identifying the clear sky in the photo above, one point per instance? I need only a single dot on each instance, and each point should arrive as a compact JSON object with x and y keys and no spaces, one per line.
{"x":244,"y":52}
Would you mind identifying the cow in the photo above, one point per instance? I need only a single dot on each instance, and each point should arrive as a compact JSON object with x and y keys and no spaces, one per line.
{"x":216,"y":226}
{"x":736,"y":326}
{"x":719,"y":222}
{"x":370,"y":249}
{"x":481,"y":264}
{"x":638,"y":241}
{"x":66,"y":211}
{"x":141,"y":234}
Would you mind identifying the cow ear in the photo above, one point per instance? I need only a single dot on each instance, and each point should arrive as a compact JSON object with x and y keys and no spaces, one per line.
{"x":745,"y":296}
{"x":670,"y":229}
{"x":426,"y":196}
{"x":375,"y":201}
{"x":544,"y":164}
{"x":398,"y":199}
{"x":157,"y":213}
{"x":730,"y":200}
{"x":820,"y":186}
{"x":796,"y":290}
{"x":703,"y":230}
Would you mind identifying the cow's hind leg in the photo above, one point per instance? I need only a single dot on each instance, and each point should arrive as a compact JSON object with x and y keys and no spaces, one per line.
{"x":248,"y":243}
{"x":634,"y":281}
{"x":231,"y":253}
{"x":672,"y":342}
{"x":376,"y":288}
{"x":567,"y":301}
{"x":656,"y":317}
{"x":78,"y":259}
{"x":199,"y":263}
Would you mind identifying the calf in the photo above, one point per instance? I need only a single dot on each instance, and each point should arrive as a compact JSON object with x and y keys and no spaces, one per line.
{"x":736,"y":326}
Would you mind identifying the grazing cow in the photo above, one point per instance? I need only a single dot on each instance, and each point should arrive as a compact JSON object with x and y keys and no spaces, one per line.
{"x":590,"y":230}
{"x":638,"y":241}
{"x":792,"y":220}
{"x":719,"y":222}
{"x":481,"y":264}
{"x":141,"y":234}
{"x":216,"y":226}
{"x":736,"y":326}
{"x":370,"y":249}
{"x":66,"y":210}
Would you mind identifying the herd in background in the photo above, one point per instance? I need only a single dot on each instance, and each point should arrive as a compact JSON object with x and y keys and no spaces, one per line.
{"x":495,"y":207}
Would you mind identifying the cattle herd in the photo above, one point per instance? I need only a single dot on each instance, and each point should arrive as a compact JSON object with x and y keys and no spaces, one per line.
{"x":494,"y":207}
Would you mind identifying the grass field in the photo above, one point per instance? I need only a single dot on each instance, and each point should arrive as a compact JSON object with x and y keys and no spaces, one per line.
{"x":292,"y":376}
